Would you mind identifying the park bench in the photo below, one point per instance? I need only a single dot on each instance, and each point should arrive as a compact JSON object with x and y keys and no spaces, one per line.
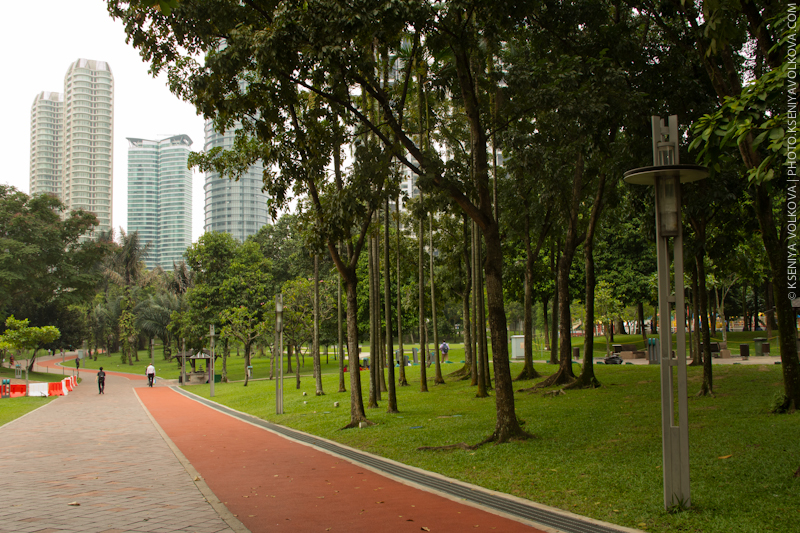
{"x":629,"y":351}
{"x":715,"y":349}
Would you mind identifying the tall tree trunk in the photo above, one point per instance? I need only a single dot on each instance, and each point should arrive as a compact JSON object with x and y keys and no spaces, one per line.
{"x":640,"y":309}
{"x":787,"y":327}
{"x":477,"y":376}
{"x":708,"y":379}
{"x":482,"y":331}
{"x":571,"y":242}
{"x":246,"y":363}
{"x":387,"y":299}
{"x":340,"y":345}
{"x":587,"y":378}
{"x":545,"y":325}
{"x":297,"y":351}
{"x":357,"y":413}
{"x":380,"y":357}
{"x":554,"y":309}
{"x":315,"y":347}
{"x":769,"y":317}
{"x":373,"y":327}
{"x":481,"y":368}
{"x":723,"y":318}
{"x":528,"y":372}
{"x":403,"y":382}
{"x":423,"y":374}
{"x":694,"y":331}
{"x":438,"y":379}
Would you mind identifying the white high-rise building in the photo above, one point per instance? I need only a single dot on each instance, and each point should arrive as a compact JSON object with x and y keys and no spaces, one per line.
{"x":88,"y":139}
{"x":47,"y":117}
{"x":160,"y":197}
{"x":235,"y":207}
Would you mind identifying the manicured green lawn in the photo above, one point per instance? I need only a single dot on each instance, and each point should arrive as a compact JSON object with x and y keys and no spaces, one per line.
{"x":13,"y":408}
{"x":596,"y":452}
{"x":49,"y":377}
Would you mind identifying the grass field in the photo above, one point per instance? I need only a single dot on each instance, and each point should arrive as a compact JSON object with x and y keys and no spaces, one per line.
{"x":12,"y":408}
{"x":261,"y":365}
{"x":596,"y":452}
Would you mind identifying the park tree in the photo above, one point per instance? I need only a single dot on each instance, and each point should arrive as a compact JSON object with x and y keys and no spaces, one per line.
{"x":287,"y":52}
{"x":243,"y":325}
{"x":45,"y":267}
{"x":20,"y":336}
{"x":749,"y":126}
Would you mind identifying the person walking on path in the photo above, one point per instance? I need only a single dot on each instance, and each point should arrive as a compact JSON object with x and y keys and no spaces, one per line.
{"x":101,"y":381}
{"x":444,"y":348}
{"x":151,"y":375}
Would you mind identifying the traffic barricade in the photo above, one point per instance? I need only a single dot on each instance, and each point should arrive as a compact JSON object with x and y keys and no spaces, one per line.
{"x":55,"y":389}
{"x":38,"y":389}
{"x":18,"y":391}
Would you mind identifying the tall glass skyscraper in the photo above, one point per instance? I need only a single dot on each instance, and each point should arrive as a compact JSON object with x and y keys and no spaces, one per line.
{"x":160,"y":197}
{"x":235,"y":207}
{"x":88,"y":137}
{"x":47,"y":122}
{"x":72,"y":141}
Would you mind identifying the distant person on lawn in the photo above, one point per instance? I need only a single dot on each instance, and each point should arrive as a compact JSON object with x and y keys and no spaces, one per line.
{"x":444,"y":348}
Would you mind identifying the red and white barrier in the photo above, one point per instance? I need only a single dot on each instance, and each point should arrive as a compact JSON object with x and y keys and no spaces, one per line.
{"x":37,"y":389}
{"x":59,"y":388}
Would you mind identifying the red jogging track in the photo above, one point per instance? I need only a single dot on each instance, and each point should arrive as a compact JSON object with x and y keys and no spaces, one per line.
{"x":272,"y":483}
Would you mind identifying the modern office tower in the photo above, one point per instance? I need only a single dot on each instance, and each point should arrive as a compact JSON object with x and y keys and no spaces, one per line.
{"x":47,"y":116}
{"x":160,"y":197}
{"x":88,"y":139}
{"x":235,"y":207}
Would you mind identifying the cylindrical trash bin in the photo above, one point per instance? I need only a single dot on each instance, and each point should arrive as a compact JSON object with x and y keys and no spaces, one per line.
{"x":759,"y":345}
{"x":744,"y":350}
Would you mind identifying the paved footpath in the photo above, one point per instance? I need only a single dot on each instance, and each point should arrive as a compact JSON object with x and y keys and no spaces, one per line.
{"x":153,"y":460}
{"x":104,"y":453}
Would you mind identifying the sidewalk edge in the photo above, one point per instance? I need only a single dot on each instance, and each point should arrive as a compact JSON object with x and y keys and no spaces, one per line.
{"x":205,"y":490}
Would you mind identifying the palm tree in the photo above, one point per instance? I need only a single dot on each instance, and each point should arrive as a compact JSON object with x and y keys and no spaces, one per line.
{"x":153,"y":318}
{"x":127,"y":268}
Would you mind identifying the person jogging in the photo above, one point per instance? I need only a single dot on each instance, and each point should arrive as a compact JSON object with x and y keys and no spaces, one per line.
{"x":101,"y":381}
{"x":151,"y":375}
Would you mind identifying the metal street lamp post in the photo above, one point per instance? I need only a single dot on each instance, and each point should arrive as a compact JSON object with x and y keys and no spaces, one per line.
{"x":279,"y":342}
{"x":666,"y":175}
{"x":210,"y":366}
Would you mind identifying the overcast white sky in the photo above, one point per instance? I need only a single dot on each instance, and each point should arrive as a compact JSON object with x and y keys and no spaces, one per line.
{"x":40,"y":40}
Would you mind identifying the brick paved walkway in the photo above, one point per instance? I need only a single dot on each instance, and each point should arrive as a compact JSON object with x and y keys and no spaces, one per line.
{"x":104,"y":453}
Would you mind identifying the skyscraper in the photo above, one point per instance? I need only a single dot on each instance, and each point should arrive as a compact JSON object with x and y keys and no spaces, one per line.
{"x":47,"y":117}
{"x":160,"y":197}
{"x":88,"y":139}
{"x":235,"y":207}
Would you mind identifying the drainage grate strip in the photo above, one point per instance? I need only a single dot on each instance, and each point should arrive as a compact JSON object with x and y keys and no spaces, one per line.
{"x":566,"y":524}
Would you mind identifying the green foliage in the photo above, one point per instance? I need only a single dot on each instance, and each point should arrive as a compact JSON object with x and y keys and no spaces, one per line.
{"x":44,"y":267}
{"x":20,"y":336}
{"x":750,"y":116}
